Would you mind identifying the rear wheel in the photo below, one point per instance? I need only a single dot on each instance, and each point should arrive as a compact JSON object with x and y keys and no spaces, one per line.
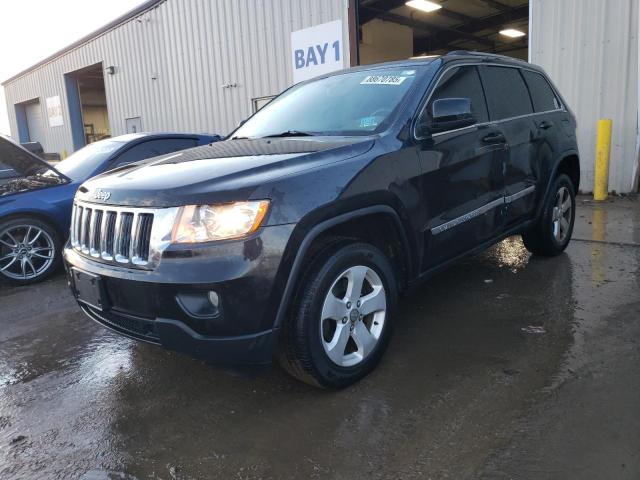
{"x":551,"y":235}
{"x":341,"y":319}
{"x":29,"y":250}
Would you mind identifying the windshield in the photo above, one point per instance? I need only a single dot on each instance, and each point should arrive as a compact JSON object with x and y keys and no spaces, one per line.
{"x":80,"y":165}
{"x":354,"y":103}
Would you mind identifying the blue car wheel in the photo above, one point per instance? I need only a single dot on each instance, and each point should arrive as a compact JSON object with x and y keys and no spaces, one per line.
{"x":29,"y":250}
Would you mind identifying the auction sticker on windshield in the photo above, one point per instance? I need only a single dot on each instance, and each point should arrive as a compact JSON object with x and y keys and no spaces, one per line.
{"x":383,"y":80}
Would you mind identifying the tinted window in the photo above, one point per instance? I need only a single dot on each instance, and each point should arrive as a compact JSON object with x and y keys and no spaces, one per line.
{"x":462,"y":82}
{"x":153,"y":148}
{"x":544,"y":99}
{"x":507,"y":94}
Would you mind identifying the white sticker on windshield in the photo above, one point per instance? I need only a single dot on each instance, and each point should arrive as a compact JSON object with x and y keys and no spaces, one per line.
{"x":383,"y":80}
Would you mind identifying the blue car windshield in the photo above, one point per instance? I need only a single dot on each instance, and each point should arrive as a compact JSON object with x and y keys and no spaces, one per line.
{"x":82,"y":164}
{"x":351,"y":103}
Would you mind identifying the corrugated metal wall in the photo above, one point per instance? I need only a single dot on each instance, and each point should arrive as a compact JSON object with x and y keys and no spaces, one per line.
{"x":590,"y":50}
{"x":192,"y":48}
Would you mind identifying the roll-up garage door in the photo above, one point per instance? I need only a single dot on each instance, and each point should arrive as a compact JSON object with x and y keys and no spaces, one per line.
{"x":35,"y":122}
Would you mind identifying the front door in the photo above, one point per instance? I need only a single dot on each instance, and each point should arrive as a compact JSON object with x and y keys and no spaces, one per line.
{"x":462,"y":175}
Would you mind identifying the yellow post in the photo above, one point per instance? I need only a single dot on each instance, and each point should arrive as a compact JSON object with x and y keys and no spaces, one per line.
{"x":603,"y":149}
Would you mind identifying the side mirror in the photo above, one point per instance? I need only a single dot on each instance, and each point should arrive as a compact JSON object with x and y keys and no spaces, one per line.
{"x":450,"y":114}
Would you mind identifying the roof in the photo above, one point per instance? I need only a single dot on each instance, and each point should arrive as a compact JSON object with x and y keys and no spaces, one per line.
{"x":140,"y":9}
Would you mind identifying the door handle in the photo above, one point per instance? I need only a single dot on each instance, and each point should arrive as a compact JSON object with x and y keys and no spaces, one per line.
{"x":544,"y":125}
{"x":494,"y":138}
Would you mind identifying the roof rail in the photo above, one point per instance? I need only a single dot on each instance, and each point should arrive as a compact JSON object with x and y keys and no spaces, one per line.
{"x":487,"y":55}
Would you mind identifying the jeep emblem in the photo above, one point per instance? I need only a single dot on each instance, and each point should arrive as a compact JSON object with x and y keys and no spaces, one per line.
{"x":101,"y":195}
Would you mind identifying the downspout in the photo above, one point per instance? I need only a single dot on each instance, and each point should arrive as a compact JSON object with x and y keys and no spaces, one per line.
{"x":635,"y":176}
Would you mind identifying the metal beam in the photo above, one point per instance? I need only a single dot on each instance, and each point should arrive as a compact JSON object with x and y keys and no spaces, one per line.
{"x":501,"y":7}
{"x":388,"y":5}
{"x":442,"y":39}
{"x":456,"y":33}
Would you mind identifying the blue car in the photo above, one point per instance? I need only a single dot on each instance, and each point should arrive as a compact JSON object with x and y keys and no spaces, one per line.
{"x":36,"y":198}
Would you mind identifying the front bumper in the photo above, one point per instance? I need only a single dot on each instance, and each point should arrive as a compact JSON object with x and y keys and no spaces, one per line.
{"x":149,"y":305}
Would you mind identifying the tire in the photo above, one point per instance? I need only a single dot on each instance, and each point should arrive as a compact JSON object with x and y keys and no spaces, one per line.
{"x":551,"y":235}
{"x":30,"y":250}
{"x":306,"y":350}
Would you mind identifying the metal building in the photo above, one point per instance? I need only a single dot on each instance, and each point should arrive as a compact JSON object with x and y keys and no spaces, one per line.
{"x":169,"y":65}
{"x":590,"y":49}
{"x":202,"y":66}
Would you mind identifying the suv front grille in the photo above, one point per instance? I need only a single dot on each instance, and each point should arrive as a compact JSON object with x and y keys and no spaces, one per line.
{"x":113,"y":234}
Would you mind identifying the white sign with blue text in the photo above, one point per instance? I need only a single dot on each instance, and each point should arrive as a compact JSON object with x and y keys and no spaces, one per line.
{"x":317,"y":50}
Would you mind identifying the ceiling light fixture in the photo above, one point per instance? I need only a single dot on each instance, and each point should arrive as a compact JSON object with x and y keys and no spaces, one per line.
{"x":424,"y":5}
{"x":512,"y":33}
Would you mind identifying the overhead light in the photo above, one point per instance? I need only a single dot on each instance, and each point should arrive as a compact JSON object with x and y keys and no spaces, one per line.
{"x":512,"y":33}
{"x":424,"y":5}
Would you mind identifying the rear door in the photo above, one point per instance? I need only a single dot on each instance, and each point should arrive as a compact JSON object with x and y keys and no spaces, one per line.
{"x":462,"y":180}
{"x":550,"y":124}
{"x":510,"y":107}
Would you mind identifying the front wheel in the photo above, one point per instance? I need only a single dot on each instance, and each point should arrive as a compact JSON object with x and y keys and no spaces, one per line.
{"x":551,"y":235}
{"x":29,"y":250}
{"x":341,"y":318}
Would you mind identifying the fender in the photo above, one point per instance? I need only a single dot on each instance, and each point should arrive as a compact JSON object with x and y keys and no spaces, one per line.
{"x":42,"y":215}
{"x":314,"y":233}
{"x":554,"y":171}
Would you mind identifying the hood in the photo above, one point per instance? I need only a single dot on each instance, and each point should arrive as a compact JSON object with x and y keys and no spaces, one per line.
{"x":221,"y":172}
{"x":21,"y":171}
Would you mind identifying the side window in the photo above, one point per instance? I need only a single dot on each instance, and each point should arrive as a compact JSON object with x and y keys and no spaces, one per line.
{"x":544,"y":99}
{"x":462,"y":82}
{"x":153,"y":148}
{"x":507,"y":94}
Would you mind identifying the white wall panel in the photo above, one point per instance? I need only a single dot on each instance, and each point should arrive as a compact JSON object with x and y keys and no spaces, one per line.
{"x":590,"y":50}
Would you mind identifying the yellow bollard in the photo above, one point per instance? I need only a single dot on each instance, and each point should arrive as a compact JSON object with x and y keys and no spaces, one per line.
{"x":603,"y":150}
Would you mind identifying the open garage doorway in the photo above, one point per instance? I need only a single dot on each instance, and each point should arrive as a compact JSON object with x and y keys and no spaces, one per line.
{"x":398,"y":29}
{"x":88,"y":105}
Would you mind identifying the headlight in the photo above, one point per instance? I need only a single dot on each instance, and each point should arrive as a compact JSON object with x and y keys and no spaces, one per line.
{"x":206,"y":223}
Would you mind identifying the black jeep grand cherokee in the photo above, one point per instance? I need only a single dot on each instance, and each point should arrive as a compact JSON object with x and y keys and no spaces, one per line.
{"x":296,"y":235}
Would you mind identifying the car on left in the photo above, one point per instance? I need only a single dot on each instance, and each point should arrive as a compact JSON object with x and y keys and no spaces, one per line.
{"x":36,"y":198}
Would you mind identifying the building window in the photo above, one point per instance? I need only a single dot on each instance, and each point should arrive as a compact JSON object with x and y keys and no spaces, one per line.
{"x":260,"y":102}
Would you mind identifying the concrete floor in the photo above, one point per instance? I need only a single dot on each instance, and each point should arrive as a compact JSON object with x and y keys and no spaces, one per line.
{"x":463,"y":391}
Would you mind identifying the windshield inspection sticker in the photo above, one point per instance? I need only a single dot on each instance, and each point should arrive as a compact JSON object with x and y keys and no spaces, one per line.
{"x":368,"y":122}
{"x":383,"y":80}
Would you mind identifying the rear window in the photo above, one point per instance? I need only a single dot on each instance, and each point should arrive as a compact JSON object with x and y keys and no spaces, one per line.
{"x":544,"y":99}
{"x":507,"y":94}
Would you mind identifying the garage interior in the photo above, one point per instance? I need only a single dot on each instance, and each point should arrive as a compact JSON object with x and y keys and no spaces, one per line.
{"x":397,"y":29}
{"x":93,"y":102}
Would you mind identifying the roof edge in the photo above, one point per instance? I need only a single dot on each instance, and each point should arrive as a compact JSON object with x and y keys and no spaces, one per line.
{"x":140,"y":9}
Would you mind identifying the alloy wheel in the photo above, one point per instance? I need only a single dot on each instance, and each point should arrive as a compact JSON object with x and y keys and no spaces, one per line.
{"x":26,"y":251}
{"x":561,"y":217}
{"x":353,"y":315}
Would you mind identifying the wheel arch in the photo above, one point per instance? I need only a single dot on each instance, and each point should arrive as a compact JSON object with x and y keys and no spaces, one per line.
{"x":38,"y":215}
{"x":568,"y":162}
{"x":343,"y":223}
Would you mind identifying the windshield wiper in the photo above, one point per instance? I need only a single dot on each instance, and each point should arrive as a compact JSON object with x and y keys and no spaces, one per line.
{"x":291,"y":133}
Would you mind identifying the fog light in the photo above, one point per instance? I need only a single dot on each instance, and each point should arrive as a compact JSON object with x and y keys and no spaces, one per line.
{"x":214,"y":298}
{"x":199,"y":304}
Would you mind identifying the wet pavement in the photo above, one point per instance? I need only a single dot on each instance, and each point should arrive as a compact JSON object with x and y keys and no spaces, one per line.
{"x":503,"y":367}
